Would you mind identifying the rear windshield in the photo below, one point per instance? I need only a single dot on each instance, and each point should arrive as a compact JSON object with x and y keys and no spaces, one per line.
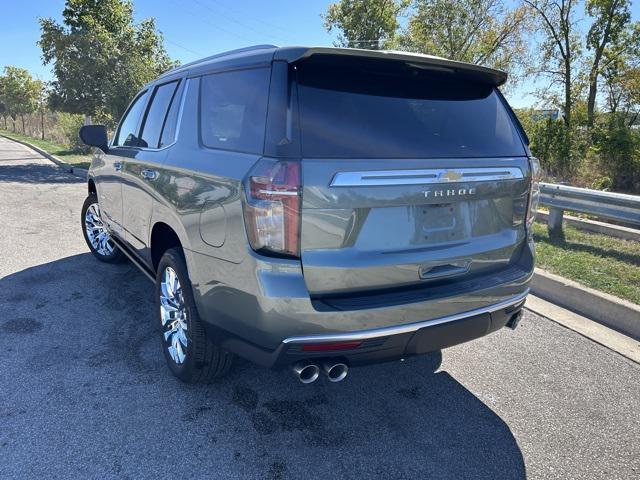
{"x":389,"y":109}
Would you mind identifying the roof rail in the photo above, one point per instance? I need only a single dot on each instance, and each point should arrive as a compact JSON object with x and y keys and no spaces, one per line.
{"x":218,"y":55}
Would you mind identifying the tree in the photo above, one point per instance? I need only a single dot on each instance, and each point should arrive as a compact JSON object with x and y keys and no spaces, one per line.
{"x":610,"y":18}
{"x":364,"y":23}
{"x":42,"y":102}
{"x":485,"y":32}
{"x":100,"y":57}
{"x":20,"y":93}
{"x":560,"y":46}
{"x":620,"y":70}
{"x":3,"y":104}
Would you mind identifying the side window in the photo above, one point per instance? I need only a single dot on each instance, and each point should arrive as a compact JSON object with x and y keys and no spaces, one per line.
{"x":156,"y":114}
{"x":233,"y":109}
{"x":171,"y":123}
{"x":127,"y":135}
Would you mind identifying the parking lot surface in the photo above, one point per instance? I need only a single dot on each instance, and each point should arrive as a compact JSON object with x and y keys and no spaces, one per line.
{"x":85,"y":393}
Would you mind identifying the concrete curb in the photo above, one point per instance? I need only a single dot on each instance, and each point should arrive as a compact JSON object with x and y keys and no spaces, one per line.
{"x":606,"y":309}
{"x":78,"y":172}
{"x":609,"y":229}
{"x":605,"y":336}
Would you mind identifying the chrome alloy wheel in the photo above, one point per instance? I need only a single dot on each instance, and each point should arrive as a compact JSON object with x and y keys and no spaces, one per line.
{"x":173,"y":314}
{"x":97,"y":231}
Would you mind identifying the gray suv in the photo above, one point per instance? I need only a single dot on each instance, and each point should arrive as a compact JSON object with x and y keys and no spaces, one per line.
{"x":317,"y":208}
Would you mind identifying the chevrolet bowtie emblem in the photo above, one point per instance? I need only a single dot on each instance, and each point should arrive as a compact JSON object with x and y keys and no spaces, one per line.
{"x":450,"y":176}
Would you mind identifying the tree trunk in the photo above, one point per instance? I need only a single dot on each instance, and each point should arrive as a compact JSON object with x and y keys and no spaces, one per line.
{"x":567,"y":93}
{"x":42,"y":122}
{"x":591,"y":99}
{"x":593,"y":88}
{"x":22,"y":118}
{"x":566,"y":162}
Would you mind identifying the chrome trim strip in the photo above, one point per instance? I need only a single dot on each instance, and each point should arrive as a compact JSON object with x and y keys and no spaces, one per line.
{"x":276,"y":192}
{"x":409,"y":328}
{"x":377,"y":178}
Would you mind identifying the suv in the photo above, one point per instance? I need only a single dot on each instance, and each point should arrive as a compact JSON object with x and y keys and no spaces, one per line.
{"x":318,"y":208}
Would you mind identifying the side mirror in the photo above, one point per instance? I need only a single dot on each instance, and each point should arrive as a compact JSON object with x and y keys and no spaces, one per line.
{"x":95,"y":136}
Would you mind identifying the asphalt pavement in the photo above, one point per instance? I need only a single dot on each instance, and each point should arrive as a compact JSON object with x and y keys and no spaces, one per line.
{"x":84,"y":392}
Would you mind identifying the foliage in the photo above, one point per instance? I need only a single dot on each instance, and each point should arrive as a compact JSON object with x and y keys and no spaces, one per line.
{"x":604,"y":157}
{"x":100,"y":57}
{"x":621,"y":74}
{"x":606,"y":39}
{"x":20,"y":92}
{"x":364,"y":23}
{"x":484,"y":32}
{"x":615,"y":153}
{"x":550,"y":141}
{"x":70,"y":124}
{"x":560,"y":50}
{"x":3,"y":105}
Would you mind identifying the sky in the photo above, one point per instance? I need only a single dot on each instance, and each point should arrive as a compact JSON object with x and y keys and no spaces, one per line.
{"x":196,"y":28}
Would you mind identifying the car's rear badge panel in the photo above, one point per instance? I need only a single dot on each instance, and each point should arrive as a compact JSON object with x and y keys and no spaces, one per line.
{"x":375,"y":178}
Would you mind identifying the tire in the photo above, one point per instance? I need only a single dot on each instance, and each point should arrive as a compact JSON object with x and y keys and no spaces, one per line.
{"x":95,"y":234}
{"x":194,"y":358}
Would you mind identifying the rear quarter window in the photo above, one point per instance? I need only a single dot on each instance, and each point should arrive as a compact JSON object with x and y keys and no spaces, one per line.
{"x":233,"y":109}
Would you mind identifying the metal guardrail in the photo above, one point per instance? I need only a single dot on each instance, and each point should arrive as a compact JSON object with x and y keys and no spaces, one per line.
{"x":613,"y":206}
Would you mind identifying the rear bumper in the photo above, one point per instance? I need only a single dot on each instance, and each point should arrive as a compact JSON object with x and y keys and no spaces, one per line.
{"x":265,"y":314}
{"x":406,"y":340}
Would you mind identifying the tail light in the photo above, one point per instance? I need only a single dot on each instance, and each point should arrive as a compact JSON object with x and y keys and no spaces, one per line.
{"x":534,"y":192}
{"x":272,"y":207}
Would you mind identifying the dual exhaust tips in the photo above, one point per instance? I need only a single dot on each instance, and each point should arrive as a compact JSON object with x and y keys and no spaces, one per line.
{"x":308,"y":372}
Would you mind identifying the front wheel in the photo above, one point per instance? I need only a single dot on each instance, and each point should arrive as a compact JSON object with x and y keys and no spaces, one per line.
{"x":190,"y":354}
{"x":96,"y":234}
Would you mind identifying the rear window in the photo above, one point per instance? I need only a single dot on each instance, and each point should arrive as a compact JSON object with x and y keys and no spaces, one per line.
{"x":389,"y":109}
{"x":233,"y":109}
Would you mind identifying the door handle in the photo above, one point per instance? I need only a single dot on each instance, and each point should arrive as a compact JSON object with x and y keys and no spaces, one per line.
{"x":427,"y":272}
{"x":149,"y":174}
{"x":117,"y":166}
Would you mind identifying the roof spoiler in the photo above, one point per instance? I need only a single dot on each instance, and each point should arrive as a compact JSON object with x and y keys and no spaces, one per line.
{"x":476,"y":73}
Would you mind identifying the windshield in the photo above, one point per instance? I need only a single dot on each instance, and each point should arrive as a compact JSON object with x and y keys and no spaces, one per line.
{"x":392,"y":110}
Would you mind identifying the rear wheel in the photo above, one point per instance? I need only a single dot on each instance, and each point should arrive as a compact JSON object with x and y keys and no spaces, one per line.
{"x":190,"y":354}
{"x":96,"y":234}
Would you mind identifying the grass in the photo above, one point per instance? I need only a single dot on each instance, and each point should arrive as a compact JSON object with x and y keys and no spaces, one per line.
{"x":608,"y":264}
{"x":72,"y":157}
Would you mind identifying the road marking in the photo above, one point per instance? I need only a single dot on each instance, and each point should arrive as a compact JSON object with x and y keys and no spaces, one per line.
{"x":625,"y":346}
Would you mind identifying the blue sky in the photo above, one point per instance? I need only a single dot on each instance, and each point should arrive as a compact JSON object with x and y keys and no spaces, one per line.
{"x":194,"y":28}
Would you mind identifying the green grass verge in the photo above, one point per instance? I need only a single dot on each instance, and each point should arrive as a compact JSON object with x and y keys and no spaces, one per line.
{"x":608,"y":264}
{"x":63,"y":152}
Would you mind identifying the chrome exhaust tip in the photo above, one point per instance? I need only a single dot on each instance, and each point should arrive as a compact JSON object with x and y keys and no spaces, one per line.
{"x":335,"y":372}
{"x":306,"y":372}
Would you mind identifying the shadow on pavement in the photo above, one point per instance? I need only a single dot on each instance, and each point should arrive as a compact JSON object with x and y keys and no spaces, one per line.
{"x":81,"y":356}
{"x":36,"y":173}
